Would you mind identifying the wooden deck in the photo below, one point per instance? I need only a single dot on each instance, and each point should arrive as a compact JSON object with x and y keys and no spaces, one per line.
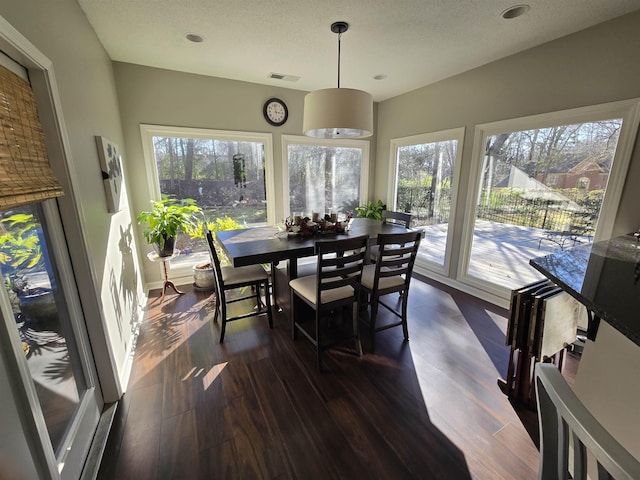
{"x":500,"y":252}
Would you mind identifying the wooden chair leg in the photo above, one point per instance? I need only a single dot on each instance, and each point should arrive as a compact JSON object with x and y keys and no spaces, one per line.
{"x":405,"y":328}
{"x":294,"y":330}
{"x":268,"y":299}
{"x":217,"y":312}
{"x":372,"y":321}
{"x":318,"y":340}
{"x":224,"y":321}
{"x":356,"y":328}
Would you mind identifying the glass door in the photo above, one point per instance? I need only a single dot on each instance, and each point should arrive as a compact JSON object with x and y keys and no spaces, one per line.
{"x":425,"y":174}
{"x":59,"y":378}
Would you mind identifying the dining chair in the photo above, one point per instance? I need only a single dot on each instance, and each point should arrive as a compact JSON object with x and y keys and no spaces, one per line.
{"x":335,"y":285}
{"x":401,"y":219}
{"x":231,"y":278}
{"x":561,"y":414}
{"x":398,"y":218}
{"x":391,"y":273}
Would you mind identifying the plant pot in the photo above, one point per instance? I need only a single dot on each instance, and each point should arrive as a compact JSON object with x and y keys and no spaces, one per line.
{"x":167,"y":251}
{"x":203,"y":276}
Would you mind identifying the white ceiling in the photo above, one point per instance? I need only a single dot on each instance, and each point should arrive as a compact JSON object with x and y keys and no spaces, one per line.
{"x":411,"y":42}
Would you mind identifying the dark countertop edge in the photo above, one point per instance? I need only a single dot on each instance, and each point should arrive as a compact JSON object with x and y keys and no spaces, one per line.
{"x":623,"y":329}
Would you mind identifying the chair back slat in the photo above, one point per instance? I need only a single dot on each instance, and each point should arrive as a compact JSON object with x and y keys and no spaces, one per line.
{"x":397,"y":255}
{"x":340,"y":263}
{"x":398,"y":218}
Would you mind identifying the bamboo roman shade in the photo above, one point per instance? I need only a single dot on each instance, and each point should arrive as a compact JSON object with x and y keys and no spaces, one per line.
{"x":25,"y":172}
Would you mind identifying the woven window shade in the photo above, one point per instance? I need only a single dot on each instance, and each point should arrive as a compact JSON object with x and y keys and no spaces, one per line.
{"x":25,"y":172}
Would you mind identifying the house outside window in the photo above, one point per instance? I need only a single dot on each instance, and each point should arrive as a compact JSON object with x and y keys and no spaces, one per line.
{"x":583,"y":183}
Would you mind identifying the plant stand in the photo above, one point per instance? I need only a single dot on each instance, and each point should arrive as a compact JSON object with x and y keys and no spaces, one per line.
{"x":154,"y":257}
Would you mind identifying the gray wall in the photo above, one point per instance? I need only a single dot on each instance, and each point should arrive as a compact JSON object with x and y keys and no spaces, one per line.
{"x":596,"y":65}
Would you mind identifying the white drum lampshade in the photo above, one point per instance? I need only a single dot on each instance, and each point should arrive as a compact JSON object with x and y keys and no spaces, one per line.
{"x":338,"y":113}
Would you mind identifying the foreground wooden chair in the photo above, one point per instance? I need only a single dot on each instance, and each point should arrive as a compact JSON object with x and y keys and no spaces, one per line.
{"x":335,"y":285}
{"x":230,"y":278}
{"x":560,"y":413}
{"x":391,"y":273}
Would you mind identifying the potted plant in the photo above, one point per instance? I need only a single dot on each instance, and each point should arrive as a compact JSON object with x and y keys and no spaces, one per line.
{"x":165,"y":219}
{"x":371,"y":210}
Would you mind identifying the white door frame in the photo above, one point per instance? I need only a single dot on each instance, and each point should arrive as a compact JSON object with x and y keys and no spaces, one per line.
{"x":70,"y":211}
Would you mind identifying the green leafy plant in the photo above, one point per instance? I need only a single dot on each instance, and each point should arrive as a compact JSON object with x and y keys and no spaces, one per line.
{"x":19,"y":242}
{"x":167,"y":217}
{"x":20,"y":250}
{"x":218,"y":225}
{"x":371,"y":210}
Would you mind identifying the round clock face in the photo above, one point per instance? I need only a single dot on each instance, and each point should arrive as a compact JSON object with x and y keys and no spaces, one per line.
{"x":275,"y":112}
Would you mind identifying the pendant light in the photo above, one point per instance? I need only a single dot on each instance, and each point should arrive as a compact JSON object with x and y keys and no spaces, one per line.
{"x":338,"y":112}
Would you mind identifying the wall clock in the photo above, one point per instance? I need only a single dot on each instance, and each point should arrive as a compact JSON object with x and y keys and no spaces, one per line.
{"x":275,"y":112}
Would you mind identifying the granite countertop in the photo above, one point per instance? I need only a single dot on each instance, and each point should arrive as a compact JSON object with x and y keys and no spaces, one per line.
{"x":604,"y":276}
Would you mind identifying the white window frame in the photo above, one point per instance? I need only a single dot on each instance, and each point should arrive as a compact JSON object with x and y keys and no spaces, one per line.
{"x":432,"y":137}
{"x":627,"y":110}
{"x":302,"y":140}
{"x":147,"y":132}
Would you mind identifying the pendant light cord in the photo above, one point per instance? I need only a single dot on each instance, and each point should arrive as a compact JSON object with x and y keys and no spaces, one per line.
{"x":339,"y":41}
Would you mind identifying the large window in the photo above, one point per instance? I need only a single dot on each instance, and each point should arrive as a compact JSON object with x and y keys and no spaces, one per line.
{"x":540,"y":185}
{"x":325,"y":177}
{"x":425,"y":172}
{"x":228,"y":174}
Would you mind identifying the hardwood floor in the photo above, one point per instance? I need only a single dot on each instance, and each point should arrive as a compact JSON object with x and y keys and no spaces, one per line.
{"x":256,"y":407}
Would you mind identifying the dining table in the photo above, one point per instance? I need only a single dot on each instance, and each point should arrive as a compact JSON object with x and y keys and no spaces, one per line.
{"x":263,"y":245}
{"x":271,"y":245}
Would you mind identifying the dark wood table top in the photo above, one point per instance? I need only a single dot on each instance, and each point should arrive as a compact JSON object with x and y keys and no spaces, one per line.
{"x":266,"y":245}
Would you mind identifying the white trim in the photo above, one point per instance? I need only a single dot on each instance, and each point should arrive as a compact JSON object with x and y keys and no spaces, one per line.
{"x":480,"y":293}
{"x":456,"y":134}
{"x":287,"y":140}
{"x":628,"y":110}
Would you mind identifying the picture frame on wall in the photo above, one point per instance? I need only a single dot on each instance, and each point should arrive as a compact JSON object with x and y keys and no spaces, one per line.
{"x":111,"y":166}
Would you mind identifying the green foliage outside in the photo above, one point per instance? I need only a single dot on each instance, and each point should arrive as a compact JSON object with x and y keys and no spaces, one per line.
{"x":506,"y":205}
{"x":19,"y":250}
{"x":19,"y":244}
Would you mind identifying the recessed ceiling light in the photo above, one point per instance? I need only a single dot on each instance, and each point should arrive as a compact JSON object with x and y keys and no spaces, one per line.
{"x":380,"y":77}
{"x":515,"y":11}
{"x":194,"y":37}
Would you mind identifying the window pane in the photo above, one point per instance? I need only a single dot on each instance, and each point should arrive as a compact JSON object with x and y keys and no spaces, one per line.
{"x":224,"y":177}
{"x":541,"y":191}
{"x":423,"y":188}
{"x":41,"y":317}
{"x":324,"y":179}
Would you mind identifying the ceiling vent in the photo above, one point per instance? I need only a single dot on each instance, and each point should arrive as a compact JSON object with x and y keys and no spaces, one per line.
{"x":282,"y":76}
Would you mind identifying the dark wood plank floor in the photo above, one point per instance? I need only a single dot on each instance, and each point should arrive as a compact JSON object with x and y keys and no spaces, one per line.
{"x":256,"y":407}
